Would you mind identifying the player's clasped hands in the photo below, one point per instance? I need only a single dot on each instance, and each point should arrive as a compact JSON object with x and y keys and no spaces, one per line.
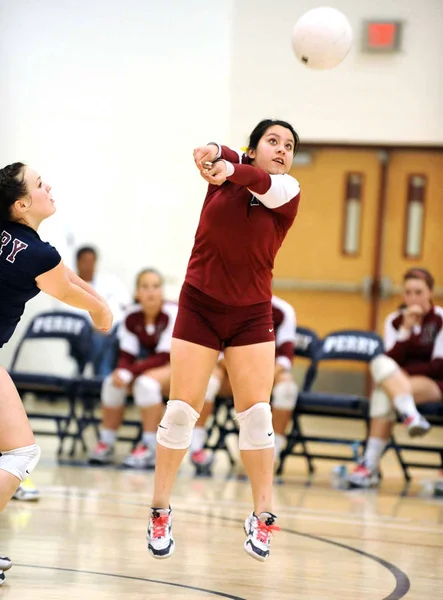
{"x":117,"y":380}
{"x":102,"y":318}
{"x":412,"y":315}
{"x":205,"y":154}
{"x":212,"y":172}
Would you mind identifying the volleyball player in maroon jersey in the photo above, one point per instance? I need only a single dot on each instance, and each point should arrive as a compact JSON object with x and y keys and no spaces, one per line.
{"x":225,"y":304}
{"x":409,"y":374}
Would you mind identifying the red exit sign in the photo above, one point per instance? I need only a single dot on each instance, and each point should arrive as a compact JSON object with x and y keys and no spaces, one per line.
{"x":382,"y":36}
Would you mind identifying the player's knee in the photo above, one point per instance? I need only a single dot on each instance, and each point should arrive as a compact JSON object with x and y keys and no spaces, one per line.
{"x":284,"y":395}
{"x":382,"y":367}
{"x":256,"y":431}
{"x":111,"y":395}
{"x":21,"y":461}
{"x":147,"y":391}
{"x":213,"y":388}
{"x":380,"y":406}
{"x":175,"y":429}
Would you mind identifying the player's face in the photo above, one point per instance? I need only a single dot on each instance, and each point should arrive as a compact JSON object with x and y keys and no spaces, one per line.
{"x":41,"y":203}
{"x":275,"y":150}
{"x":150,"y":291}
{"x":86,"y":266}
{"x":417,"y":292}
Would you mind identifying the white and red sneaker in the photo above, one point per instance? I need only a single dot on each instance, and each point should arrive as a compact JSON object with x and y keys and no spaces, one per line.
{"x":202,"y":459}
{"x":5,"y":564}
{"x":102,"y":454}
{"x":417,"y":425}
{"x":363,"y":477}
{"x":142,"y":457}
{"x":258,"y":530}
{"x":161,"y":544}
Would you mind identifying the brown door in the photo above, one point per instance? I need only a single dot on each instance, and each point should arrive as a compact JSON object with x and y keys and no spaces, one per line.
{"x":331,"y":289}
{"x":328,"y":288}
{"x":412,"y":224}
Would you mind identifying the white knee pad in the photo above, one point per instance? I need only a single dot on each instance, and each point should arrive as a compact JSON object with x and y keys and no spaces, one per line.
{"x":147,"y":391}
{"x":284,"y":395}
{"x":382,"y":367}
{"x":175,"y":429}
{"x":21,"y":461}
{"x":381,"y":406}
{"x":256,"y":431}
{"x":111,"y":396}
{"x":214,"y":386}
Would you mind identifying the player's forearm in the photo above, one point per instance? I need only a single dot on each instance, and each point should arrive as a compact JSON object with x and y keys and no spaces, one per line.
{"x":125,"y":360}
{"x":231,"y":155}
{"x":152,"y":362}
{"x":272,"y":190}
{"x":80,"y":298}
{"x":255,"y":179}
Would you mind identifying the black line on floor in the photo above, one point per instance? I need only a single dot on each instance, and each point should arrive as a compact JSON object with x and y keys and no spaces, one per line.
{"x":402,"y":581}
{"x":132,"y":578}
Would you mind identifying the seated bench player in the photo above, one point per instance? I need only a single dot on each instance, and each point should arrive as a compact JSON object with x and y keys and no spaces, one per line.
{"x":147,"y":328}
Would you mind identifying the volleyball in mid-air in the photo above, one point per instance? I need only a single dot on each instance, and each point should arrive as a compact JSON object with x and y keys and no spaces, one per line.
{"x":322,"y":38}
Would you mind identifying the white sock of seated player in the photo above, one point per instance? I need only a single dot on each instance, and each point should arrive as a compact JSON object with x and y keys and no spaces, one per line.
{"x":108,"y":436}
{"x":198,"y":440}
{"x":405,"y":405}
{"x":374,"y":451}
{"x":149,"y":439}
{"x":280,"y":441}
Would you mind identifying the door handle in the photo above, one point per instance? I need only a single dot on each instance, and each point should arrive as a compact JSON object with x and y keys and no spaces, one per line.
{"x":363,"y":287}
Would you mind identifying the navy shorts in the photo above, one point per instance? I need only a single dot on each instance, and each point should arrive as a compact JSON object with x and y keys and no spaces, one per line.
{"x":205,"y":321}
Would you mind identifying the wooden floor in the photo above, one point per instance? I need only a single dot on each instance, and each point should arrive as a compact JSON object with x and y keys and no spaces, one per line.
{"x":85,"y":539}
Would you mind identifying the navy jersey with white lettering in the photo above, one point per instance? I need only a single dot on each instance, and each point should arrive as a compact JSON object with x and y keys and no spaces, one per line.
{"x":23,"y":257}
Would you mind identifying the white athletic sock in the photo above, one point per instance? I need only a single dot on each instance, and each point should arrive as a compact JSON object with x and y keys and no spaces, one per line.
{"x":108,"y":436}
{"x":374,"y":451}
{"x":280,"y":441}
{"x":198,"y":439}
{"x":149,"y":439}
{"x":405,"y":405}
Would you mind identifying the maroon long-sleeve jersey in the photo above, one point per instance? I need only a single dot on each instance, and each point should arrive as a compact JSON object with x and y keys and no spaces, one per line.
{"x":238,"y":236}
{"x":419,"y":352}
{"x":135,"y":336}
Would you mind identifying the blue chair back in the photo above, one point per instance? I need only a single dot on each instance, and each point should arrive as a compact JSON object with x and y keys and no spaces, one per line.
{"x":349,"y":344}
{"x":306,"y":342}
{"x":74,"y":328}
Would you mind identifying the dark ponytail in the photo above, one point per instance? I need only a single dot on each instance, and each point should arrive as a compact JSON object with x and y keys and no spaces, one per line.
{"x":12,"y":188}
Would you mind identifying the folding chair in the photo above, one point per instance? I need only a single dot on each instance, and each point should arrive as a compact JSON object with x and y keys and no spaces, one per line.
{"x":223,"y":424}
{"x":350,"y":345}
{"x":74,"y":331}
{"x":433,"y":412}
{"x":306,"y":341}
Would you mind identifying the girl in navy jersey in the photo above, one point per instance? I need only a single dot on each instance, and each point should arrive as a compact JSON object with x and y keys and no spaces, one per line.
{"x":409,"y":374}
{"x":28,"y":265}
{"x":225,"y":304}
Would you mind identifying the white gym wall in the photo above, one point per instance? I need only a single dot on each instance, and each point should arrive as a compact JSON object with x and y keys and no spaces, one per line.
{"x":394,"y":98}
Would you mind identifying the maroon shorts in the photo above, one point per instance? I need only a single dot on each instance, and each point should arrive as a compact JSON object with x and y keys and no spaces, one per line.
{"x":208,"y":322}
